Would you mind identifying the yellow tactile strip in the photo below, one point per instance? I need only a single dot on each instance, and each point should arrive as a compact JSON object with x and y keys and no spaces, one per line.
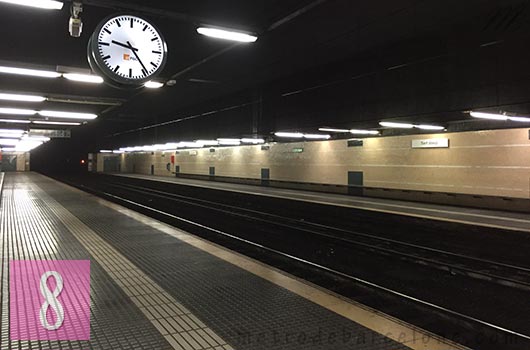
{"x":399,"y":331}
{"x":176,"y":324}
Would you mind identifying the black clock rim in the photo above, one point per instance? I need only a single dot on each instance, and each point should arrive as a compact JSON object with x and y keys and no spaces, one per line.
{"x":98,"y":65}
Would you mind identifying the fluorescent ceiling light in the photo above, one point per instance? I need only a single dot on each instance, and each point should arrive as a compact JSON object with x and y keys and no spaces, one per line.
{"x":42,"y":4}
{"x":68,"y":115}
{"x":29,"y":72}
{"x":23,"y":98}
{"x":153,"y":85}
{"x":207,"y":142}
{"x":9,"y":142}
{"x":396,"y":125}
{"x":188,"y":145}
{"x":105,"y":151}
{"x":2,"y":135}
{"x":333,"y":130}
{"x":35,"y":138}
{"x":17,"y":111}
{"x":118,"y":152}
{"x":317,"y":136}
{"x":84,"y":78}
{"x":229,"y":142}
{"x":12,"y":131}
{"x":519,"y":119}
{"x":253,"y":141}
{"x":55,"y":123}
{"x":15,"y":121}
{"x":430,"y":127}
{"x":495,"y":116}
{"x":227,"y":35}
{"x":364,"y":132}
{"x":490,"y":116}
{"x":291,"y":135}
{"x":8,"y":149}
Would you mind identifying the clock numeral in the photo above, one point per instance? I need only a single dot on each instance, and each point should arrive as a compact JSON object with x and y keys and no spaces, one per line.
{"x":154,"y":39}
{"x":144,"y":71}
{"x":106,"y":57}
{"x":108,"y":31}
{"x":118,"y":23}
{"x":145,"y":28}
{"x":130,"y":72}
{"x":116,"y":69}
{"x":157,"y":52}
{"x":132,"y":23}
{"x":104,"y":44}
{"x":154,"y":65}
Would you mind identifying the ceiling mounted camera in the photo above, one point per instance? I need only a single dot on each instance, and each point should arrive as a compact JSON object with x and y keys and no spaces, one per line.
{"x":75,"y":26}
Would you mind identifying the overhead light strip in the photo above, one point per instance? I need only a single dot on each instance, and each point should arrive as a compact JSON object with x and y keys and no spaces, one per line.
{"x":21,"y":98}
{"x":42,"y":4}
{"x":29,"y":72}
{"x":83,"y":78}
{"x":498,"y":116}
{"x":225,"y":34}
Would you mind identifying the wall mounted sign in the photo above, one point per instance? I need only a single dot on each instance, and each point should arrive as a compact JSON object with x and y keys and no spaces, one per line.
{"x":53,"y":134}
{"x":127,"y":51}
{"x":431,"y":143}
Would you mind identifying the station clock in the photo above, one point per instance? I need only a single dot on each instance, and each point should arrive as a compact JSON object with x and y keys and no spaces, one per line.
{"x":127,"y":51}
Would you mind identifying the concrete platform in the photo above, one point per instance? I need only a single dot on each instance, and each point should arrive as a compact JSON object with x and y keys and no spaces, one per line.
{"x":156,"y":287}
{"x":478,"y":217}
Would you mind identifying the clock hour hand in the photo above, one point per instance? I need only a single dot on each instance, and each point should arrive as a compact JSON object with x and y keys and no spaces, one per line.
{"x":138,"y":57}
{"x":124,"y":45}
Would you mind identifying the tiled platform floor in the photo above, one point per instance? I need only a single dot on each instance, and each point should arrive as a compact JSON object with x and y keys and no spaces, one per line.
{"x":152,"y":290}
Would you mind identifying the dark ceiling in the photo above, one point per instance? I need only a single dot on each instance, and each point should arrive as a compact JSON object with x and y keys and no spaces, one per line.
{"x":337,"y":63}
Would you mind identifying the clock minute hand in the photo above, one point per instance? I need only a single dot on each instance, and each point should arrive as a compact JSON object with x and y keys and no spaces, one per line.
{"x":125,"y":46}
{"x":138,"y":57}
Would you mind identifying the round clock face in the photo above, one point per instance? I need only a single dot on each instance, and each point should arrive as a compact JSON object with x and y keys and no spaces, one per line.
{"x":127,"y":50}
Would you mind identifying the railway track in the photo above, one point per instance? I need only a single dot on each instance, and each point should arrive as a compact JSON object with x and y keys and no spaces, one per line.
{"x":452,"y":263}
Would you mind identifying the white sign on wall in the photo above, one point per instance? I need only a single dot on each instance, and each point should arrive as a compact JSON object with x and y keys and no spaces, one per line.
{"x":431,"y":143}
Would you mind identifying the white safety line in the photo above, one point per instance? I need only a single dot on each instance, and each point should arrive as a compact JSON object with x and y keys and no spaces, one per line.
{"x":295,"y":196}
{"x":175,"y":323}
{"x":411,"y":336}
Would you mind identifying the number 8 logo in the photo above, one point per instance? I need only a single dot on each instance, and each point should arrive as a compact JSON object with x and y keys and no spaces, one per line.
{"x":50,"y":300}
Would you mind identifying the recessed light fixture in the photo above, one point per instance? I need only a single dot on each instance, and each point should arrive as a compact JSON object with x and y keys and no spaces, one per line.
{"x":153,"y":85}
{"x":55,"y":123}
{"x":227,"y":34}
{"x":29,"y":72}
{"x":364,"y":132}
{"x":68,"y":115}
{"x":21,"y":98}
{"x":17,"y":111}
{"x":42,"y":4}
{"x":334,"y":130}
{"x":83,"y":78}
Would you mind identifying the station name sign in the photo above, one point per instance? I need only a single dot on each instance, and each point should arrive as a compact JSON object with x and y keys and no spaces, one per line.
{"x":53,"y":133}
{"x":431,"y":143}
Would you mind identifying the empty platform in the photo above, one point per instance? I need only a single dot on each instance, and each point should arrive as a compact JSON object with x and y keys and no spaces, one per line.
{"x":478,"y":217}
{"x":155,"y":287}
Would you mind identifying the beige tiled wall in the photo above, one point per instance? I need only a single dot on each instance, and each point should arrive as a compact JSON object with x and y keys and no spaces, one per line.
{"x":486,"y":163}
